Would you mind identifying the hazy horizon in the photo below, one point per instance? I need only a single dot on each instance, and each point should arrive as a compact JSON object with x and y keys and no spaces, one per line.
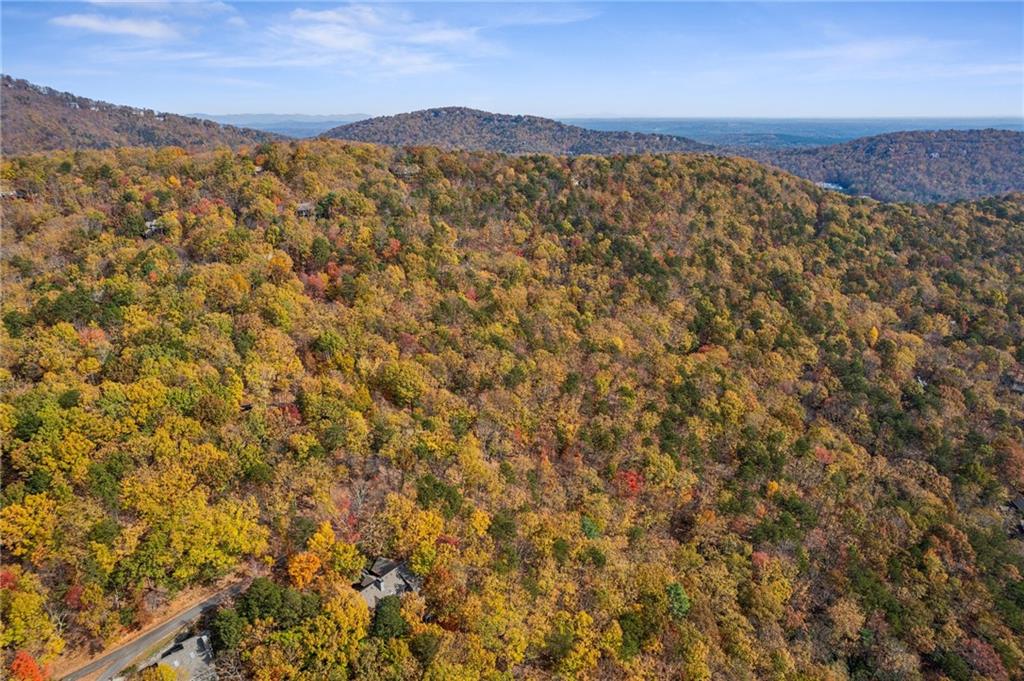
{"x":726,"y":131}
{"x":668,"y":117}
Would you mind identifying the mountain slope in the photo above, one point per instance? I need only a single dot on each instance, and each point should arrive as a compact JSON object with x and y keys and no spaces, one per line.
{"x":661,"y":417}
{"x":921,"y":165}
{"x":474,"y":130}
{"x":36,"y":118}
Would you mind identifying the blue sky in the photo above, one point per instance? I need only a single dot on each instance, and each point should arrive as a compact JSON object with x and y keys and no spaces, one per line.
{"x":803,"y":59}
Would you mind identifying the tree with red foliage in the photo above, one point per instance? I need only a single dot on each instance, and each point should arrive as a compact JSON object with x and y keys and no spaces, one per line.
{"x":629,"y":483}
{"x":984,"y":658}
{"x":25,"y":668}
{"x":394,"y":247}
{"x":73,"y":598}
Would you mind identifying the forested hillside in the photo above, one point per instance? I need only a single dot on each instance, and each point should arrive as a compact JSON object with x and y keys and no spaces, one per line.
{"x":919,"y":166}
{"x":474,"y":130}
{"x":923,"y":165}
{"x":35,"y":118}
{"x":661,"y":417}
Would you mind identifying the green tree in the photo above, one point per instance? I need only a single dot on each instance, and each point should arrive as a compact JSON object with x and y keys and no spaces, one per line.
{"x":388,"y":621}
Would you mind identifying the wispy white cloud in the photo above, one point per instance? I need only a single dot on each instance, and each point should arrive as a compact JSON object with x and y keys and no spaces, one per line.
{"x":115,"y":55}
{"x":442,"y":35}
{"x":366,"y":39}
{"x":151,"y":29}
{"x":385,"y":39}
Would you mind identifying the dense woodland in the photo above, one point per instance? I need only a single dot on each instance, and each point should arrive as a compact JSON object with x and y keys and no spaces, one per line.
{"x":461,"y":128}
{"x":653,"y":417}
{"x":922,"y":165}
{"x":36,"y":118}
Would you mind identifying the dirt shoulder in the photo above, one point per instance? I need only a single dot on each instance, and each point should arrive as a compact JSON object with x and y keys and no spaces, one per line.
{"x":78,"y":662}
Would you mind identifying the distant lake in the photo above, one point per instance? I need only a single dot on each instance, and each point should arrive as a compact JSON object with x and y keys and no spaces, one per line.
{"x":787,"y":132}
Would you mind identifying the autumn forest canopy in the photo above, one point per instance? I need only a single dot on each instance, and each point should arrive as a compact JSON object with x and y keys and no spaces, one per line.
{"x":918,"y":165}
{"x":652,"y":416}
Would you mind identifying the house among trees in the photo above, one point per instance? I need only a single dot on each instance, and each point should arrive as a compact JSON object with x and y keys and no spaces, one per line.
{"x":153,"y":228}
{"x":385,"y":577}
{"x":304,"y":210}
{"x":405,"y":170}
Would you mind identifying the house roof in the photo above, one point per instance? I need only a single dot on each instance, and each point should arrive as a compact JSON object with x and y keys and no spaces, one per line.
{"x":385,"y":577}
{"x":383,"y":566}
{"x":411,"y":580}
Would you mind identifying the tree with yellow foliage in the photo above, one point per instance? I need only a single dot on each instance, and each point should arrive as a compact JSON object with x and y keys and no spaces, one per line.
{"x":302,"y":567}
{"x":157,"y":672}
{"x":338,"y":556}
{"x":26,"y":623}
{"x":27,"y":529}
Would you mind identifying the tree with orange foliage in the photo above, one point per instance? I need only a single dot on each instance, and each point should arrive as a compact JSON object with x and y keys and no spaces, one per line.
{"x":25,"y":668}
{"x":302,"y":567}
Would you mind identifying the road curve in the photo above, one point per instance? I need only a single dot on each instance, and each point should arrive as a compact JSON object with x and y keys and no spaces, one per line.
{"x":119,"y":658}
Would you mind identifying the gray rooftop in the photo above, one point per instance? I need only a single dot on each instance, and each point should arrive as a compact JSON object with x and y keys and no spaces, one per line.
{"x":385,"y":577}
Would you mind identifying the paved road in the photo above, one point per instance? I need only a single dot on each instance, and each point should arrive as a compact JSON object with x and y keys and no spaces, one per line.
{"x":119,"y":658}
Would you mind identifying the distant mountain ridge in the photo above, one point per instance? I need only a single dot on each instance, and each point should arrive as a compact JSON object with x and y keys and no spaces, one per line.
{"x":790,"y":133}
{"x":248,"y":119}
{"x":924,"y":166}
{"x":38,"y":118}
{"x":290,"y":125}
{"x":472,"y":129}
{"x":920,"y":165}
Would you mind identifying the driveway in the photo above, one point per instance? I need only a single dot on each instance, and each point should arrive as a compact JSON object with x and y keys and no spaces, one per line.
{"x":117,"y":659}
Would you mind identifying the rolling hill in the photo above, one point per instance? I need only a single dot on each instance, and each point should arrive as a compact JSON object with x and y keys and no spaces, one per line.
{"x":37,"y":118}
{"x":921,"y":165}
{"x":918,"y":166}
{"x":474,"y":130}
